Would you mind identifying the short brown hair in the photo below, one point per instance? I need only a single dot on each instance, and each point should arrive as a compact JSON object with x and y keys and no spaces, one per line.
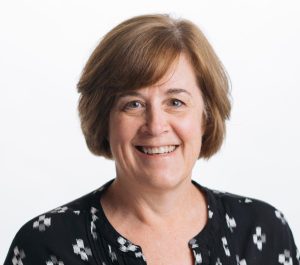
{"x":137,"y":53}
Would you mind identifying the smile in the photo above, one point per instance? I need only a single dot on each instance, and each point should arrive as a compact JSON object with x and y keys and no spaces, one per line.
{"x":157,"y":150}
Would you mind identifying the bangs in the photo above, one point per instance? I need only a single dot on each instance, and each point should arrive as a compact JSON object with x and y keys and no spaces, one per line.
{"x":144,"y":61}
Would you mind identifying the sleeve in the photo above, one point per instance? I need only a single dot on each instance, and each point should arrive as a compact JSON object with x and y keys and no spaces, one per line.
{"x":274,"y":237}
{"x":51,"y":239}
{"x":285,"y":243}
{"x":261,"y":232}
{"x":27,"y":248}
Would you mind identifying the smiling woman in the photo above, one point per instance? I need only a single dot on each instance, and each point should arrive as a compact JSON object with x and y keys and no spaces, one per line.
{"x":154,"y":98}
{"x":156,"y":135}
{"x":138,"y":53}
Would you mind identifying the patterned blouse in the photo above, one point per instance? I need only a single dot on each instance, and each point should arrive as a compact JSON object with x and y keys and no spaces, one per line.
{"x":239,"y":231}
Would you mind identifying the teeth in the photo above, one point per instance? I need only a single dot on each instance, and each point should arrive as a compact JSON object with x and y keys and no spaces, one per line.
{"x":158,"y":150}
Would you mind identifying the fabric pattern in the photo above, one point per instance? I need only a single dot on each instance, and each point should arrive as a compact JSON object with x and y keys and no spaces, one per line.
{"x":239,"y":231}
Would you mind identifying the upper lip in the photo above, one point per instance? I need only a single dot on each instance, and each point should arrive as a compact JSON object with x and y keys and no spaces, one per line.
{"x":155,"y":146}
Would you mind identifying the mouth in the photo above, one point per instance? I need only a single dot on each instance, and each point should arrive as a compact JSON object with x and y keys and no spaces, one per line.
{"x":158,"y":150}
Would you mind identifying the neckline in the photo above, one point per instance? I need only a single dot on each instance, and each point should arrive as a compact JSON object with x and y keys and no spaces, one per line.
{"x":203,"y":239}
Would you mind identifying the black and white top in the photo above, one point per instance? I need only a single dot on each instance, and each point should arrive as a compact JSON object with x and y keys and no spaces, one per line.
{"x":239,"y":231}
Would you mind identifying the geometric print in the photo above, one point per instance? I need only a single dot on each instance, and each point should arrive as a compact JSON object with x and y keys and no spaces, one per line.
{"x":94,"y":219}
{"x":210,"y":213}
{"x":285,"y":258}
{"x":259,"y":238}
{"x":79,"y":249}
{"x":247,"y":200}
{"x":240,"y":262}
{"x":139,"y":255}
{"x":193,"y":243}
{"x":18,"y":256}
{"x":112,"y":254}
{"x":61,"y":209}
{"x":89,"y":222}
{"x":126,"y":245}
{"x":225,"y":246}
{"x":198,"y":257}
{"x":218,"y":262}
{"x":280,"y":216}
{"x":54,"y":261}
{"x":42,"y":222}
{"x":230,"y":222}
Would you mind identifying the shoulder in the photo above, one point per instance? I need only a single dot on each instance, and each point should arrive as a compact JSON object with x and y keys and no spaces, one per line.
{"x":250,"y":210}
{"x":52,"y":235}
{"x":252,"y":220}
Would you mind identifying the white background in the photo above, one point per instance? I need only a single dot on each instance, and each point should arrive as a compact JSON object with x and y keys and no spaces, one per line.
{"x":44,"y":161}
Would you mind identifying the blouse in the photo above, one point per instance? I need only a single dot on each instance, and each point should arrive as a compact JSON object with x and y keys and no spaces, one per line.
{"x":239,"y":231}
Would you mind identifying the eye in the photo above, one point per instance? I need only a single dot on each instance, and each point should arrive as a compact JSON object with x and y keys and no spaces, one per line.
{"x":135,"y":104}
{"x":176,"y":103}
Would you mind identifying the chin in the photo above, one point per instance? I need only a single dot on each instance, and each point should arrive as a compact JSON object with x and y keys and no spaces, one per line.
{"x":163,"y":182}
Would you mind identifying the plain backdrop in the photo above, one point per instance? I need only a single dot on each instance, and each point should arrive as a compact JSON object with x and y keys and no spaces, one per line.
{"x":44,"y":161}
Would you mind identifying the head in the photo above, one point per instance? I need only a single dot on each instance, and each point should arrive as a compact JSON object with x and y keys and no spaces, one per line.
{"x":138,"y":53}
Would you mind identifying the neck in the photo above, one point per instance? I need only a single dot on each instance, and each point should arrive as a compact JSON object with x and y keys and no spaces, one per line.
{"x":153,"y":207}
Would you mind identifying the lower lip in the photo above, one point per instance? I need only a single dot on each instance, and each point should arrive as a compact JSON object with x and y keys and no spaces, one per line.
{"x":170,"y":154}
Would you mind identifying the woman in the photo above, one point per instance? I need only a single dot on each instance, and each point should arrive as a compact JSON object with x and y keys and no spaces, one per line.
{"x":155,"y":98}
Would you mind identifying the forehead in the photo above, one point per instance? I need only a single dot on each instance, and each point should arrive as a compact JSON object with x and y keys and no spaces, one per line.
{"x":179,"y":78}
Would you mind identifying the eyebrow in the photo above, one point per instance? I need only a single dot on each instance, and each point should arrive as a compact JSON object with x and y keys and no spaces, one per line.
{"x":171,"y":91}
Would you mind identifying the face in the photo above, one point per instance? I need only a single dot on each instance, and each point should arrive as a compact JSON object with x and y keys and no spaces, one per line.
{"x":155,"y":132}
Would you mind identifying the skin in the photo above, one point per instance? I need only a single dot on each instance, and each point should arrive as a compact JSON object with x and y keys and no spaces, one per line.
{"x":154,"y":192}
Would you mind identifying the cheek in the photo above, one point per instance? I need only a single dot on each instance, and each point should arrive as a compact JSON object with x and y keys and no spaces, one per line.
{"x":121,"y":129}
{"x":191,"y":127}
{"x":190,"y":132}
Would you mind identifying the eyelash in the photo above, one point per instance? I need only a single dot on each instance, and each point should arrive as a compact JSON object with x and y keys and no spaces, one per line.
{"x":129,"y":105}
{"x":177,"y":100}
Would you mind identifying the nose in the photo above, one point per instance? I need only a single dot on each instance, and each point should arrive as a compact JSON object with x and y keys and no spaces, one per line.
{"x":156,"y":122}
